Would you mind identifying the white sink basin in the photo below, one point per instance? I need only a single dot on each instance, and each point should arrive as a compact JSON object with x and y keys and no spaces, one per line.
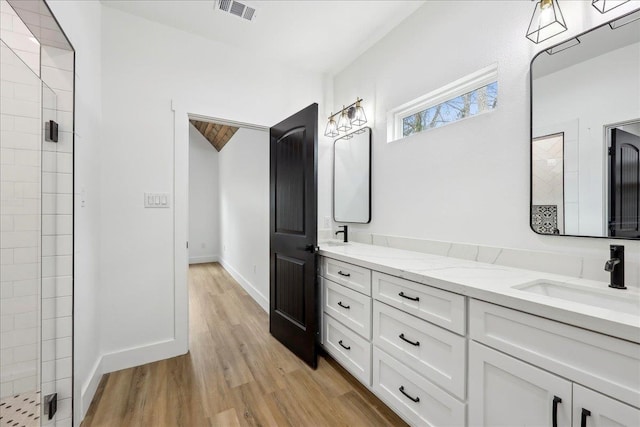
{"x":616,"y":300}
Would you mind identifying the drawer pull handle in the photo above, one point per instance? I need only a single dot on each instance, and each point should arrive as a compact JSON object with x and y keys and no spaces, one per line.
{"x":344,"y":346}
{"x":414,"y":399}
{"x":556,"y":400}
{"x":416,"y":343}
{"x":410,"y":298}
{"x":344,"y":274}
{"x":344,"y":306}
{"x":583,"y":419}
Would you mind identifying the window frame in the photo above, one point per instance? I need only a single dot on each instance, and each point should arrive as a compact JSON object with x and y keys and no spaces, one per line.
{"x":466,"y":84}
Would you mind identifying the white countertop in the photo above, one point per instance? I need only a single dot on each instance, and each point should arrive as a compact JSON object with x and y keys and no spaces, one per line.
{"x":493,"y":283}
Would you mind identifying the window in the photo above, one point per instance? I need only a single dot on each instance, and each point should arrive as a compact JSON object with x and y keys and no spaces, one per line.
{"x":467,"y":97}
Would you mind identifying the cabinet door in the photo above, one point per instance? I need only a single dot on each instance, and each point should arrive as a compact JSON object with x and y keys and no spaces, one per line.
{"x":504,"y":391}
{"x":591,"y":409}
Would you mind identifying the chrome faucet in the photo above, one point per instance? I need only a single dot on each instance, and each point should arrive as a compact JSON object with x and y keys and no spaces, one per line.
{"x":345,"y":233}
{"x":615,"y":266}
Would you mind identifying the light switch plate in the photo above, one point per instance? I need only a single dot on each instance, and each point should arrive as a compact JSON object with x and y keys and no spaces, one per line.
{"x":157,"y":200}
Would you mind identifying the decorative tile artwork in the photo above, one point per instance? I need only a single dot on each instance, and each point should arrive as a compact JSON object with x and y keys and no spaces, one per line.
{"x":544,"y":219}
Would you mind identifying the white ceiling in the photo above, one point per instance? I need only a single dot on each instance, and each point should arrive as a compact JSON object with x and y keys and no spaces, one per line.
{"x":323,"y":36}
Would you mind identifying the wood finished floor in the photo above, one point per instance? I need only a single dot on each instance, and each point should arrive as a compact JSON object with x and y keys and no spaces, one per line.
{"x":236,"y":374}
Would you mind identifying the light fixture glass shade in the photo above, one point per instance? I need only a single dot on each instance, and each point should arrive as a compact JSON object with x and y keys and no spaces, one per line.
{"x":332,"y":128}
{"x":359,"y":118}
{"x":344,"y":124}
{"x":604,"y":6}
{"x":547,"y":21}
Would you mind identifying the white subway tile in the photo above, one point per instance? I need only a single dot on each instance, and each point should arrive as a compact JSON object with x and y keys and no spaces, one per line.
{"x":6,"y":323}
{"x":63,"y":386}
{"x":56,"y":78}
{"x":27,"y":158}
{"x":14,"y":272}
{"x":48,"y":308}
{"x":23,"y":288}
{"x":6,"y":223}
{"x":26,"y":222}
{"x":6,"y":357}
{"x":63,"y":368}
{"x":19,"y":239}
{"x":25,"y":321}
{"x":6,"y":122}
{"x":24,"y":92}
{"x":64,"y":286}
{"x":13,"y":173}
{"x":27,"y":190}
{"x":19,"y":107}
{"x":20,"y":140}
{"x":25,"y":255}
{"x":48,"y":350}
{"x":65,"y":163}
{"x":57,"y":58}
{"x":25,"y":353}
{"x":23,"y":385}
{"x":49,"y":329}
{"x":17,"y":305}
{"x":7,"y":156}
{"x":48,"y":371}
{"x":64,"y":306}
{"x":30,"y":126}
{"x":6,"y":388}
{"x":6,"y":256}
{"x":63,"y":348}
{"x":64,"y":327}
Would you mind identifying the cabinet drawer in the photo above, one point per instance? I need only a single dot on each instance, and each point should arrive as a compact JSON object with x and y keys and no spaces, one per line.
{"x":600,"y":362}
{"x":603,"y":411}
{"x":348,"y":348}
{"x":443,"y":308}
{"x":351,"y":308}
{"x":349,"y":275}
{"x":435,"y":353}
{"x":415,"y":399}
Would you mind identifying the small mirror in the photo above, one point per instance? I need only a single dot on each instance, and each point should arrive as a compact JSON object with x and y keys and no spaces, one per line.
{"x":585,"y":134}
{"x":352,"y":177}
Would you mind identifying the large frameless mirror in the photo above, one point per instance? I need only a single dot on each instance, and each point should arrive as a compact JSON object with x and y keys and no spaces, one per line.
{"x":352,"y":177}
{"x":585,"y":134}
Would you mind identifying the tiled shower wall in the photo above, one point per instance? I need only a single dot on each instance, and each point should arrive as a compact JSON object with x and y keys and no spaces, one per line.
{"x":20,"y":93}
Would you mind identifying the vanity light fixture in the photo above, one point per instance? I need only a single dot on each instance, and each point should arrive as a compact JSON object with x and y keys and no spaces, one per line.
{"x":332,"y":128}
{"x":547,"y":21}
{"x":604,"y":6}
{"x":344,"y":124}
{"x":351,"y":115}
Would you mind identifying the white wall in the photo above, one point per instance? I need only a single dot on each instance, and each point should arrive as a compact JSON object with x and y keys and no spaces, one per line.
{"x":244,"y":211}
{"x":146,"y":66}
{"x":81,"y":21}
{"x":16,"y":35}
{"x":203,"y":199}
{"x":469,"y":181}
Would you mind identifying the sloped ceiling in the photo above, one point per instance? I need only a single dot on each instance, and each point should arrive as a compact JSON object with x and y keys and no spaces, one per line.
{"x":218,"y":135}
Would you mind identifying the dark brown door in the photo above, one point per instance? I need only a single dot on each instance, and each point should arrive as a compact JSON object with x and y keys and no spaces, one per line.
{"x":624,"y":209}
{"x":293,"y":318}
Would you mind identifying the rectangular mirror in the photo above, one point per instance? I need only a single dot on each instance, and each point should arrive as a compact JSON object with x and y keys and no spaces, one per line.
{"x":352,"y":177}
{"x":585,"y":134}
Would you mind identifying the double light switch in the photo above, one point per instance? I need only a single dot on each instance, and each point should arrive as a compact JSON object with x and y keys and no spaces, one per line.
{"x":156,"y":200}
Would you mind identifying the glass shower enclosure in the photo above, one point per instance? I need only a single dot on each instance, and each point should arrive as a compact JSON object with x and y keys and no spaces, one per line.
{"x":32,"y":312}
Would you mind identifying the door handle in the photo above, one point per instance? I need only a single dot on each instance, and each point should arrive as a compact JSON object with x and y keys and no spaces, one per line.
{"x":346,"y":347}
{"x":416,"y":343}
{"x":414,"y":399}
{"x":583,"y":418}
{"x":344,"y":306}
{"x":554,"y":414}
{"x":311,"y":249}
{"x":409,"y":298}
{"x":344,"y":274}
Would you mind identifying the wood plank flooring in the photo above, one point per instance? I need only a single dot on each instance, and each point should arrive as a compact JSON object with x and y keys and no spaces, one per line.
{"x":236,"y":374}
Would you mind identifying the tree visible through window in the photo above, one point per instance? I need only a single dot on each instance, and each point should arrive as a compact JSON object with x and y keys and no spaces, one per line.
{"x":469,"y":104}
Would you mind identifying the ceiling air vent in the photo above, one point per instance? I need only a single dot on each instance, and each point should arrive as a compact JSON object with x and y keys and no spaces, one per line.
{"x":238,"y":9}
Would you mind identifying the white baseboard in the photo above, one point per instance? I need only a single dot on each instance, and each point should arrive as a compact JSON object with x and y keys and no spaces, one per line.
{"x":136,"y":356}
{"x":251,"y":290}
{"x":203,"y":259}
{"x":88,"y":391}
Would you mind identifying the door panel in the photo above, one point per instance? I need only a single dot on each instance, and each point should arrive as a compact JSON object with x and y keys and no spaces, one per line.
{"x":504,"y":391}
{"x":624,"y":210}
{"x":602,"y":411}
{"x":293,"y":313}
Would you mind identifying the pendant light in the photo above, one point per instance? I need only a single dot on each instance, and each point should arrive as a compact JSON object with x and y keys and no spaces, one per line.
{"x":547,"y":21}
{"x":604,"y":6}
{"x":332,"y":128}
{"x":344,"y":124}
{"x":359,"y":118}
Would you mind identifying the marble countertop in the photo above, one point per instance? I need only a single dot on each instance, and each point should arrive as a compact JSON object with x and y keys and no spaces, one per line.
{"x":495,"y":284}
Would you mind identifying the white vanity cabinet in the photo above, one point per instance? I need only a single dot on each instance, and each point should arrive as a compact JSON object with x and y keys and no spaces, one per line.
{"x":438,"y":358}
{"x":346,"y":316}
